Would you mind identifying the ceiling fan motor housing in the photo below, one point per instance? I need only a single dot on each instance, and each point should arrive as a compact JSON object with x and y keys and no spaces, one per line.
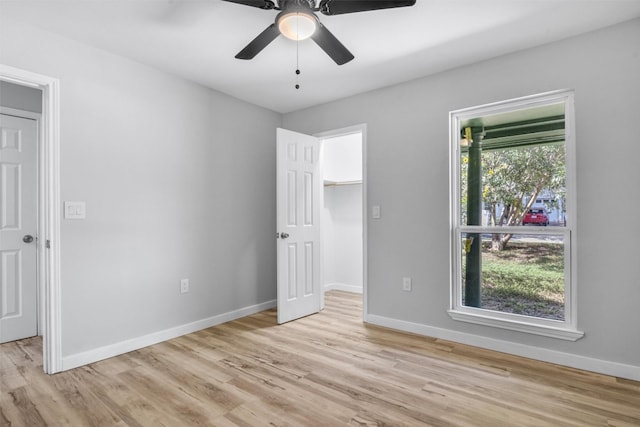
{"x":293,"y":5}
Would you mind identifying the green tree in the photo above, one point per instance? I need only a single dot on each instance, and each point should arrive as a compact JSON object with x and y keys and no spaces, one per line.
{"x":513,"y":178}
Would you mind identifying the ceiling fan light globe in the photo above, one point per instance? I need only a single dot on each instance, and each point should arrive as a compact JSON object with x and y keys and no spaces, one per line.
{"x":297,"y":25}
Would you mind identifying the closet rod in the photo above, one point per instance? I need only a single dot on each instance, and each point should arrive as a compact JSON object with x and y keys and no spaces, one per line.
{"x":338,"y":183}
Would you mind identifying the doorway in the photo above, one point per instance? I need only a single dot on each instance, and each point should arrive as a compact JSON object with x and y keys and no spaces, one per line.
{"x":48,"y":210}
{"x":343,"y":213}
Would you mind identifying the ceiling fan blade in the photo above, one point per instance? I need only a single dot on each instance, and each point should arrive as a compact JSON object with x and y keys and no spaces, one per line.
{"x":259,"y":43}
{"x":338,"y":7}
{"x":262,"y":4}
{"x":331,"y":45}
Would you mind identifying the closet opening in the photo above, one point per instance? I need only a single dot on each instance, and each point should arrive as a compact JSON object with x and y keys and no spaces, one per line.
{"x":342,"y":221}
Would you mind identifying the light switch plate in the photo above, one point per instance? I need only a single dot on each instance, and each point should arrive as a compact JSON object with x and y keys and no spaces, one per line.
{"x":375,"y":212}
{"x":75,"y":210}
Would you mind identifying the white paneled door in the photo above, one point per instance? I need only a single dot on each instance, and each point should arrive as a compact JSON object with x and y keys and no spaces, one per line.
{"x":18,"y":225}
{"x":299,"y":198}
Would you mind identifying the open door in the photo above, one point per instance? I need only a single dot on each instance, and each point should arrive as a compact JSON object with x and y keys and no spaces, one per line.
{"x":18,"y":226}
{"x":299,"y":198}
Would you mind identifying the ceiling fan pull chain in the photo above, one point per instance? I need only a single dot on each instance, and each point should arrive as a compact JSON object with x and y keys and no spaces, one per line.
{"x":297,"y":57}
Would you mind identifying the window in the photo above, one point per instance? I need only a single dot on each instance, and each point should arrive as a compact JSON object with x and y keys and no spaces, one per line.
{"x":513,"y":215}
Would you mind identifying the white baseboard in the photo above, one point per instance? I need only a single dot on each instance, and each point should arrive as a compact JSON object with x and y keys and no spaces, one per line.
{"x":343,"y":287}
{"x":95,"y":355}
{"x":557,"y":357}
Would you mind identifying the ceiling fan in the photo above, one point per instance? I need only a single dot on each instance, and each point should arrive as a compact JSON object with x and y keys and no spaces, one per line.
{"x":297,"y":21}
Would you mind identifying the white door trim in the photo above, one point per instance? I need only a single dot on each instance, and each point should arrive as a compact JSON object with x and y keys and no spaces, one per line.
{"x":49,"y":208}
{"x":359,"y":128}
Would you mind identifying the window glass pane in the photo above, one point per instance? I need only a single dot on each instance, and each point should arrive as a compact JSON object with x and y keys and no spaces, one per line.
{"x":526,"y":277}
{"x":512,"y":168}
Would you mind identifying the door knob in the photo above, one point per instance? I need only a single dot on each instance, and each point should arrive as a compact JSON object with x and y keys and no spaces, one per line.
{"x":284,"y":235}
{"x":27,"y":238}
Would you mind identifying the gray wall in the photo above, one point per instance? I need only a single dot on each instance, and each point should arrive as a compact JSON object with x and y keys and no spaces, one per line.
{"x":179,"y":182}
{"x":408,"y":175}
{"x":20,"y":97}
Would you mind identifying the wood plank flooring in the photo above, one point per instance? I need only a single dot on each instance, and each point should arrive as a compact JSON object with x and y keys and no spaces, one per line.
{"x":329,"y":369}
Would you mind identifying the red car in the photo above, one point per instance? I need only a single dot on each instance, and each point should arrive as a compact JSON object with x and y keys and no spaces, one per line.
{"x":536,"y":216}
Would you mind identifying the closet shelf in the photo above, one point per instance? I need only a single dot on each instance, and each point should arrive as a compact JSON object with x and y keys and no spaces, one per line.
{"x":338,"y":183}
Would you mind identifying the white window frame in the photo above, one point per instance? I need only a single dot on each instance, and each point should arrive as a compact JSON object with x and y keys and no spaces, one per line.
{"x":566,"y":329}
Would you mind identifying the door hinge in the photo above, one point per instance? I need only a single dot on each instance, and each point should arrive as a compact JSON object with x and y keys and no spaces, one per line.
{"x":47,"y":244}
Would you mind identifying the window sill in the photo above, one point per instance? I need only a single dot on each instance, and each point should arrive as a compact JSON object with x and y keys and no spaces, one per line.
{"x":487,"y":319}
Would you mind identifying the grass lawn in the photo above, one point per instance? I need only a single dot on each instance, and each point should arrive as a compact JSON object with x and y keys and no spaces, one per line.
{"x":525,"y":278}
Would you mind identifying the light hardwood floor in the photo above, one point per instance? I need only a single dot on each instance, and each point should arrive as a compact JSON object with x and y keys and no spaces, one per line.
{"x":329,"y":369}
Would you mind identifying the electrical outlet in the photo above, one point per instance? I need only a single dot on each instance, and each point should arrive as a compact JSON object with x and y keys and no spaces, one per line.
{"x":406,"y":284}
{"x":184,"y":286}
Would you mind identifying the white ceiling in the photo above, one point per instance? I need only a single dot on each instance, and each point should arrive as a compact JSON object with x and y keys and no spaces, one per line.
{"x":198,"y":39}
